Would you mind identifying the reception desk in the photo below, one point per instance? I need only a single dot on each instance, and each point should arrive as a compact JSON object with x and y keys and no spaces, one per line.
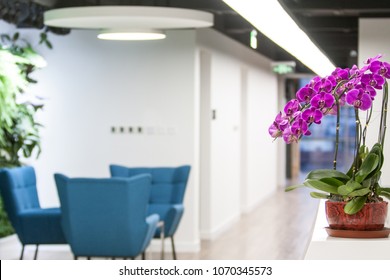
{"x":324,"y":247}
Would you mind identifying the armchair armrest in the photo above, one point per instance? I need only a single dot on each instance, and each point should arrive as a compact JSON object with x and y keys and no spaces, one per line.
{"x":173,"y":218}
{"x":170,"y":214}
{"x":32,"y":221}
{"x":152,"y":221}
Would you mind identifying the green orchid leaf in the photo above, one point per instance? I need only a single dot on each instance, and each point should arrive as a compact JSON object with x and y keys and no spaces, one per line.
{"x":369,"y":164}
{"x":327,"y":173}
{"x":385,"y":194}
{"x":352,"y":168}
{"x":332,"y":181}
{"x":377,"y":149}
{"x":291,"y":188}
{"x":360,"y":192}
{"x":319,"y":195}
{"x":319,"y":185}
{"x":384,"y":189}
{"x":355,"y":205}
{"x":363,"y":152}
{"x":367,"y":183}
{"x":349,"y":187}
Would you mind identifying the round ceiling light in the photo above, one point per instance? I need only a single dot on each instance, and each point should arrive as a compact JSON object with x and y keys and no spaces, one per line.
{"x":131,"y":35}
{"x":127,"y":17}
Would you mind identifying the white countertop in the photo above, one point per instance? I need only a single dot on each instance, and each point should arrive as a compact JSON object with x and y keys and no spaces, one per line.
{"x":324,"y":247}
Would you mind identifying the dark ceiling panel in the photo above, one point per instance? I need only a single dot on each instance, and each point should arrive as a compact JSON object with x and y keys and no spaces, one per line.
{"x":331,"y":24}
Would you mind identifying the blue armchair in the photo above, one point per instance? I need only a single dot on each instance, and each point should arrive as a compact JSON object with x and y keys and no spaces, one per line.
{"x":166,"y":199}
{"x":106,"y":217}
{"x":32,"y":224}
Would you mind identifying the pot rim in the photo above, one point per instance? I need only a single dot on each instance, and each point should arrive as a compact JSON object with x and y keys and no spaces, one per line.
{"x":345,"y":202}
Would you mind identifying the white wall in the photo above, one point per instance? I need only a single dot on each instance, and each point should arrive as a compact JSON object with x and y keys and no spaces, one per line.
{"x":242,"y":161}
{"x":262,"y":169}
{"x":92,"y":85}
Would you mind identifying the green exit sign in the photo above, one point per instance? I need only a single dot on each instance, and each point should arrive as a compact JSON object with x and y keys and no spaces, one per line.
{"x":283,"y":67}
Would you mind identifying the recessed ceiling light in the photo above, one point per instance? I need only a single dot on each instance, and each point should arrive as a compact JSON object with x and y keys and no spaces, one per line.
{"x":131,"y":35}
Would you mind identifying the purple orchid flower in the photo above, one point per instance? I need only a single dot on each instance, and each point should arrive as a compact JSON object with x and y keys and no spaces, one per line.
{"x":312,"y":115}
{"x":359,"y":99}
{"x":381,"y":68}
{"x":371,"y":59}
{"x":291,"y":107}
{"x":305,"y":94}
{"x":374,"y":80}
{"x":355,"y":86}
{"x":322,"y":101}
{"x":340,"y":74}
{"x":314,"y":81}
{"x":300,"y":127}
{"x":294,"y":132}
{"x":278,"y":126}
{"x":274,"y":131}
{"x":356,"y":72}
{"x":325,"y":84}
{"x":289,"y":137}
{"x":368,"y":90}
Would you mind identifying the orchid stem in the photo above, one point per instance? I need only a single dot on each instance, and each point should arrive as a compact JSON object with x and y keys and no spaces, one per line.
{"x":337,"y":133}
{"x":358,"y":141}
{"x":382,"y":127}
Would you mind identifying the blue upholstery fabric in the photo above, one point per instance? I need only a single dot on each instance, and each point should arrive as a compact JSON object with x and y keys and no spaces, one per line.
{"x":106,"y":217}
{"x":32,"y":224}
{"x":168,"y":188}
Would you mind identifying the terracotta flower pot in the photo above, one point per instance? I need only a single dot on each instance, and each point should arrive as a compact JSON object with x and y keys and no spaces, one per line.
{"x":371,"y":217}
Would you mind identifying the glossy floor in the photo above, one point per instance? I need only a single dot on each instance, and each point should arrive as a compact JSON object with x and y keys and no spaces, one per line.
{"x":280,"y":228}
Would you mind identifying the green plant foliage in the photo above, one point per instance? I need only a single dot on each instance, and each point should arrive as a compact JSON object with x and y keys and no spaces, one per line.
{"x":5,"y":226}
{"x":357,"y":189}
{"x":19,"y":132}
{"x":355,"y":205}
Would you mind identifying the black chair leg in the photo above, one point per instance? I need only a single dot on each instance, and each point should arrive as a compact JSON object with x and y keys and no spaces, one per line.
{"x":36,"y":252}
{"x":143,"y":256}
{"x":21,"y":255}
{"x":76,"y":257}
{"x":173,"y":248}
{"x":89,"y":258}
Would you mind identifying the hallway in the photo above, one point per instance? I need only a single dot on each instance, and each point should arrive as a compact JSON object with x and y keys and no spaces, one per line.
{"x":278,"y":229}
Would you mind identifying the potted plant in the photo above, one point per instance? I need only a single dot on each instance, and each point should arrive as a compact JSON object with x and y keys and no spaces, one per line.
{"x":355,"y":198}
{"x":19,"y":132}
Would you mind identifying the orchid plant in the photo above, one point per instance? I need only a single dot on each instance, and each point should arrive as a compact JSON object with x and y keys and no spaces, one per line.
{"x":355,"y":87}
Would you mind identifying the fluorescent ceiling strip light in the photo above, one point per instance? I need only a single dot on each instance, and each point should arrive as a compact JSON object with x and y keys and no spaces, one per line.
{"x":273,"y":21}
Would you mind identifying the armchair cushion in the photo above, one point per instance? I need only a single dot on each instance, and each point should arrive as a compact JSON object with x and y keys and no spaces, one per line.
{"x":32,"y":224}
{"x":106,"y":216}
{"x":168,"y":188}
{"x":32,"y":221}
